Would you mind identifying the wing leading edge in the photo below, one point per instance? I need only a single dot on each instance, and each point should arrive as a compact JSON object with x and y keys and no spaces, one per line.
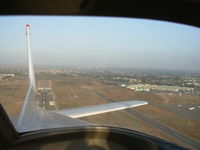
{"x":32,"y":117}
{"x":30,"y":104}
{"x":99,"y":109}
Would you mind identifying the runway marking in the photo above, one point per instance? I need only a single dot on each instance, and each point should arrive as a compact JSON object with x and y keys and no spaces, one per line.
{"x":44,"y":88}
{"x":51,"y":103}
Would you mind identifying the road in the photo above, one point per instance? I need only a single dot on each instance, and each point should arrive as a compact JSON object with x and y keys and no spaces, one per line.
{"x":169,"y":131}
{"x":45,"y":95}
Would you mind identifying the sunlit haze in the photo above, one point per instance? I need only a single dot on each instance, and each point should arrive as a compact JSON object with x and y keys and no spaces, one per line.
{"x":100,"y":42}
{"x":136,"y":74}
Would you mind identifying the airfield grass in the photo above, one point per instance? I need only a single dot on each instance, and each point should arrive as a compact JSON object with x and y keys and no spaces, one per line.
{"x":85,"y":93}
{"x":76,"y":92}
{"x":180,"y":124}
{"x":12,"y":94}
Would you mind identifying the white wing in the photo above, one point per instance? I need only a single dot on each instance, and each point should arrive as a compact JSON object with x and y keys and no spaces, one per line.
{"x":32,"y":117}
{"x":99,"y":109}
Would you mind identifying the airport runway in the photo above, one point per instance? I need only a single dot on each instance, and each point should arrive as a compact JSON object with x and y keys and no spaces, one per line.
{"x":167,"y":130}
{"x":170,"y":132}
{"x":45,"y":95}
{"x":38,"y":113}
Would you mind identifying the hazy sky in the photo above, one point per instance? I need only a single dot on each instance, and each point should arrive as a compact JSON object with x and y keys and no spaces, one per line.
{"x":104,"y":42}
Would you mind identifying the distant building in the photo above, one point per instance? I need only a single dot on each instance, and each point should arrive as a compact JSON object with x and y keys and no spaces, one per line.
{"x":123,"y":85}
{"x":139,"y":87}
{"x":164,"y":88}
{"x":3,"y":76}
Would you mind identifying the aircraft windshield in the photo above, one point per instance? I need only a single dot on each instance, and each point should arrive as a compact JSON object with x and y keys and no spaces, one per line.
{"x":83,"y":62}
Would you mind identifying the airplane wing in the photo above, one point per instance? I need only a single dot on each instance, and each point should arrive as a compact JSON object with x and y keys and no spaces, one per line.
{"x":99,"y":109}
{"x":32,"y":117}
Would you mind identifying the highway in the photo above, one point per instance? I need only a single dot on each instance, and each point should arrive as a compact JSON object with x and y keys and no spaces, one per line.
{"x":169,"y":131}
{"x":45,"y":96}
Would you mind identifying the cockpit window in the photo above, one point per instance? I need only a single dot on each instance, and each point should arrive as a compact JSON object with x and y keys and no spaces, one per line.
{"x":78,"y":71}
